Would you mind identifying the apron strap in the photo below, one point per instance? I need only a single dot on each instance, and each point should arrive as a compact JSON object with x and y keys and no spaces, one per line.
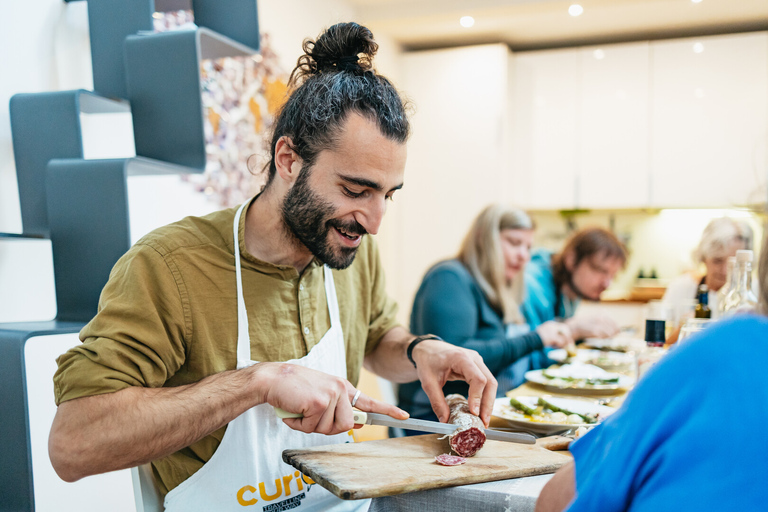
{"x":330,"y":297}
{"x":243,"y":339}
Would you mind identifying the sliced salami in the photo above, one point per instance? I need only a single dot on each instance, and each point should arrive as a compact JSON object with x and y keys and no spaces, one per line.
{"x":449,"y":460}
{"x":470,"y":434}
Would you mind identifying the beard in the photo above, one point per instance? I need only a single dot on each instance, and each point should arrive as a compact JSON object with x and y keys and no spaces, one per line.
{"x":579,"y":293}
{"x":309,"y":219}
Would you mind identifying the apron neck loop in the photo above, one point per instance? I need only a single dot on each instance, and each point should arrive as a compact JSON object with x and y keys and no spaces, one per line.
{"x":243,"y":340}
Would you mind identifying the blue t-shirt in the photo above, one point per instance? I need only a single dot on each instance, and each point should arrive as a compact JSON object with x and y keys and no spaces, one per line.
{"x":689,"y":436}
{"x":543,"y":300}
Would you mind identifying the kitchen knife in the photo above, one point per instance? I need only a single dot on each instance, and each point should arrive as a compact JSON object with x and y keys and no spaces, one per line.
{"x":372,"y":418}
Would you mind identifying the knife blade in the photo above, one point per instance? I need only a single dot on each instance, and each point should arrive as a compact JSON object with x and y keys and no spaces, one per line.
{"x":372,"y":418}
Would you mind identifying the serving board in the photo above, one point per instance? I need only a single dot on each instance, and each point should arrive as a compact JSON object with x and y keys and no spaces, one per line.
{"x":406,"y":464}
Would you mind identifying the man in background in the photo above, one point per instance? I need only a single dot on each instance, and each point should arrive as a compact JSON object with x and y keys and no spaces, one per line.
{"x":583,"y":269}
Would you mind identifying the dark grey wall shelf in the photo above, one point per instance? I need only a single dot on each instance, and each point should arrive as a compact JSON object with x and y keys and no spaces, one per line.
{"x":165,"y":91}
{"x":111,"y":21}
{"x":44,"y":126}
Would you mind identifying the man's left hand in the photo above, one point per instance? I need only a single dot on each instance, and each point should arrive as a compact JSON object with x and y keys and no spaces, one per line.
{"x":438,"y":362}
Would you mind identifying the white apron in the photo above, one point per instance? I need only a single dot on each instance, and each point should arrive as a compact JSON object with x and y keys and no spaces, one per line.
{"x":247,"y":472}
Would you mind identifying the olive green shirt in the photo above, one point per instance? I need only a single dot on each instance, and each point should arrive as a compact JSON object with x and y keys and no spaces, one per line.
{"x":168,"y":317}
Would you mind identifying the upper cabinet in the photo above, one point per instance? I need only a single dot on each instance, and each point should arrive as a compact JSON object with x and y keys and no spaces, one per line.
{"x":581,"y":128}
{"x":612,"y":134}
{"x":679,"y":123}
{"x":545,"y":119}
{"x":709,"y":118}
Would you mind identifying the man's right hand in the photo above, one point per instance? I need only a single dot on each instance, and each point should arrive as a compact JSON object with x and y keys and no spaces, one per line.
{"x":324,"y":401}
{"x":593,"y":326}
{"x":555,"y":334}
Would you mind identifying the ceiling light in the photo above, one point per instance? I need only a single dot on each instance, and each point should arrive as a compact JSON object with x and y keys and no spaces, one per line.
{"x":467,"y":21}
{"x":696,"y":1}
{"x":598,"y":54}
{"x":575,"y":10}
{"x":698,"y":47}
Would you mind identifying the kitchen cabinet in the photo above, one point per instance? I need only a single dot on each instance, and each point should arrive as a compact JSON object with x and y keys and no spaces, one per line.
{"x":612,"y":133}
{"x":709,"y":117}
{"x":581,"y":128}
{"x":545,"y":120}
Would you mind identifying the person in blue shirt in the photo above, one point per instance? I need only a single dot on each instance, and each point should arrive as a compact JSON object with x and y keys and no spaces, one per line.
{"x":556,"y":282}
{"x":473,"y":301}
{"x":688,"y":435}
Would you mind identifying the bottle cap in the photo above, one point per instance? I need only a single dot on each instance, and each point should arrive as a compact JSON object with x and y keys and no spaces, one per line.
{"x":744,"y":255}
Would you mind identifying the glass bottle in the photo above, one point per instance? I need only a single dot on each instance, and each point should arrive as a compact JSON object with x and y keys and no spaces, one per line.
{"x":741,"y":298}
{"x":730,"y":281}
{"x":702,"y":308}
{"x":655,"y":321}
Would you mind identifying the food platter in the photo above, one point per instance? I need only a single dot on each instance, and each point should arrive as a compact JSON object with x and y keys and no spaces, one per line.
{"x":617,"y":344}
{"x":516,"y":420}
{"x":579,"y":377}
{"x":604,"y":359}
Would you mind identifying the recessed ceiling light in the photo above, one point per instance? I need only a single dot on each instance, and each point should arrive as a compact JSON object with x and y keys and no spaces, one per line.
{"x":467,"y":21}
{"x":575,"y":10}
{"x":696,"y":1}
{"x":598,"y":54}
{"x":698,"y":47}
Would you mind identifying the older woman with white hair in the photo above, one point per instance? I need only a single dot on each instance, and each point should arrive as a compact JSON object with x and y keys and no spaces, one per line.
{"x":720,"y":240}
{"x":474,"y":300}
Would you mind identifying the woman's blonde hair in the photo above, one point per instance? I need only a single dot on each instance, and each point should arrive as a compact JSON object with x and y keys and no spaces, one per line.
{"x":481,"y":254}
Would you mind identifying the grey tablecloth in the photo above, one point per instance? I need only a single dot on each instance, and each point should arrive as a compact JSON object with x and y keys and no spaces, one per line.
{"x":516,"y":495}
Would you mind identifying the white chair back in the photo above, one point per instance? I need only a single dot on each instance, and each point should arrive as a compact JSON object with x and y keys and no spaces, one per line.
{"x":145,"y":493}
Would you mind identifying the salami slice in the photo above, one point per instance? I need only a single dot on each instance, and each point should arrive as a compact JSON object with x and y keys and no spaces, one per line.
{"x":470,"y":434}
{"x":449,"y":460}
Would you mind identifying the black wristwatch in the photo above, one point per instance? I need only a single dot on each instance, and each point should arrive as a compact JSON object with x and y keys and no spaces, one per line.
{"x":415,"y":341}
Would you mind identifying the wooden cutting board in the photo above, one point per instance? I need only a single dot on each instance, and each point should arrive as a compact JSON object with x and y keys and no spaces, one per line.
{"x":394,"y":466}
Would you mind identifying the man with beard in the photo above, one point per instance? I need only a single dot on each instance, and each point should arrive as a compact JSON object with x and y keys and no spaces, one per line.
{"x":208,"y":324}
{"x":583,"y":269}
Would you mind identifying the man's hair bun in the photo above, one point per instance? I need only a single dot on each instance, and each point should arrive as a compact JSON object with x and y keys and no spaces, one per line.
{"x":344,"y":47}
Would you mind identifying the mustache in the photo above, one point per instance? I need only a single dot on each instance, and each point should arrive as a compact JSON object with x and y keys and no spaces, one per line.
{"x":353,"y":228}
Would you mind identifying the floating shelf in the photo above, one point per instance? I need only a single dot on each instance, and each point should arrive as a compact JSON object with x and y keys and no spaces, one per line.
{"x":165,"y":91}
{"x":111,"y":21}
{"x":45,"y":126}
{"x":89,"y":225}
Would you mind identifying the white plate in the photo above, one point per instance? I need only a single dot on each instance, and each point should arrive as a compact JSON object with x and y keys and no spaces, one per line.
{"x":618,"y":344}
{"x":604,"y":359}
{"x":514,"y":419}
{"x":537,"y":377}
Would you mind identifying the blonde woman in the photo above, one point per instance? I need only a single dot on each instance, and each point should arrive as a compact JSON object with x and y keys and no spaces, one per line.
{"x":473,"y":301}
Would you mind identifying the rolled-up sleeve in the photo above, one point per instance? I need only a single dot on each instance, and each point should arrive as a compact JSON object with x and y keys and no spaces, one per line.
{"x":137,"y":337}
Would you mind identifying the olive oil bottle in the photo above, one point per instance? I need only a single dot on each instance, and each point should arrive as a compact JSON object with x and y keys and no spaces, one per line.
{"x":702,"y":308}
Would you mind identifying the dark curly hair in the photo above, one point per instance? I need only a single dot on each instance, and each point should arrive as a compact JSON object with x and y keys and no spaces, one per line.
{"x":334,"y":77}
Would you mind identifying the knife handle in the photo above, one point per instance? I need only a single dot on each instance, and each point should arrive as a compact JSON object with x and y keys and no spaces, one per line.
{"x":283,"y":414}
{"x":358,"y":416}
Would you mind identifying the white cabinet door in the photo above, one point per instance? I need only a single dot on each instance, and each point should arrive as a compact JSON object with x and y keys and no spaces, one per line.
{"x":457,"y":154}
{"x":613,"y":132}
{"x":709,"y":116}
{"x":545,"y":138}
